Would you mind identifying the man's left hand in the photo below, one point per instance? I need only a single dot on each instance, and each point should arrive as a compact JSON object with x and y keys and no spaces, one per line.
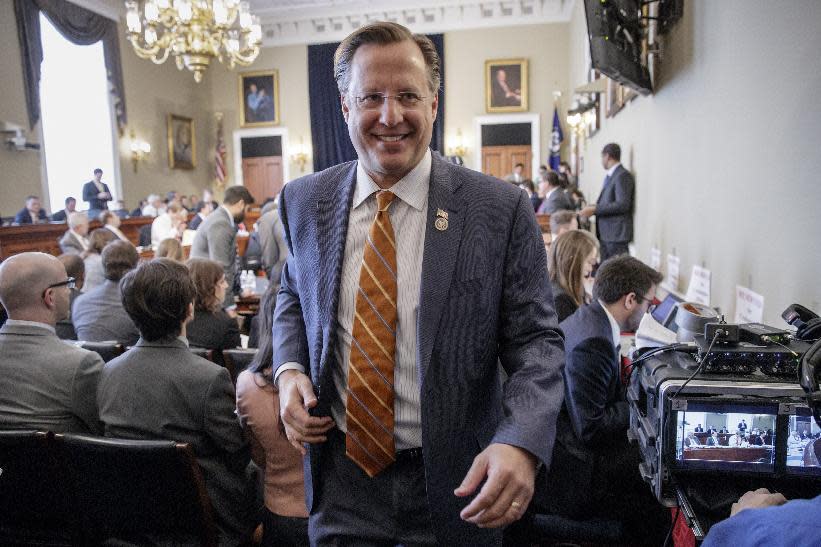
{"x":588,"y":211}
{"x":510,"y":473}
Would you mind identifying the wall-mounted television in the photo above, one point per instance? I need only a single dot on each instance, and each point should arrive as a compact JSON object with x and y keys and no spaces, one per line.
{"x":615,"y":32}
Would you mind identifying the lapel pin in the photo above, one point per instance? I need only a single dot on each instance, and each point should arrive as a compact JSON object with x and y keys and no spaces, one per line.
{"x":441,"y":222}
{"x":442,"y":214}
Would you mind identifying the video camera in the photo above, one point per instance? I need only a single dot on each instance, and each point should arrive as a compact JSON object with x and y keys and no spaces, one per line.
{"x":713,"y":420}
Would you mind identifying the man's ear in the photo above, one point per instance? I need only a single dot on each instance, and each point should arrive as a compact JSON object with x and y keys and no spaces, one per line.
{"x":190,"y":315}
{"x":345,"y":110}
{"x":630,"y":301}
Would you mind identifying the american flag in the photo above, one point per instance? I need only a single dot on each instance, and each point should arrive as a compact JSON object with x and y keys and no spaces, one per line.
{"x":220,"y":172}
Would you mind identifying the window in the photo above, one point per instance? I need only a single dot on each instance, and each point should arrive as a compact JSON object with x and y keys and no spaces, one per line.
{"x":77,"y":118}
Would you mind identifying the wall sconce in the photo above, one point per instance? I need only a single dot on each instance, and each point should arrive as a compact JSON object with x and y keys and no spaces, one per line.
{"x":139,"y":150}
{"x":458,"y":147}
{"x":301,"y":155}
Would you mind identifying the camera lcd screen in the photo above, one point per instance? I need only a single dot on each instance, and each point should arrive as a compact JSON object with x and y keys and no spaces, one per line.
{"x":664,"y":312}
{"x":804,"y":444}
{"x":726,"y":436}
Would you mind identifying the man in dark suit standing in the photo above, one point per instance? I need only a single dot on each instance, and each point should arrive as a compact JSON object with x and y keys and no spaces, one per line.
{"x":32,"y":213}
{"x":409,"y":280}
{"x":97,"y":194}
{"x":699,"y":429}
{"x":614,"y":209}
{"x":216,"y":237}
{"x":595,"y":470}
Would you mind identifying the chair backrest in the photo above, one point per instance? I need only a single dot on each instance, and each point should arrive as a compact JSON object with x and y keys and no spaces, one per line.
{"x":106,"y":350}
{"x":34,"y":507}
{"x":134,"y":490}
{"x":145,"y":236}
{"x":237,"y":360}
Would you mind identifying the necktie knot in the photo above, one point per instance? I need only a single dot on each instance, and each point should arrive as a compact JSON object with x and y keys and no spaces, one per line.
{"x":384,"y":199}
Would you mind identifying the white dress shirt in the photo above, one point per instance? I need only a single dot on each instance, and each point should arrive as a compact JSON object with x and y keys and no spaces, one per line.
{"x":22,"y":323}
{"x":407,"y":213}
{"x":614,"y":325}
{"x":117,"y":232}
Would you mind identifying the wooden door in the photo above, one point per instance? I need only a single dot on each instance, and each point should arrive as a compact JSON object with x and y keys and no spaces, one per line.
{"x":263,"y":176}
{"x":498,"y":161}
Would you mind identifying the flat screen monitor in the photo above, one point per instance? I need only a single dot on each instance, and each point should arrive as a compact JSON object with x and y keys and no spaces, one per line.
{"x":666,"y":311}
{"x":803,"y":444}
{"x":724,"y":436}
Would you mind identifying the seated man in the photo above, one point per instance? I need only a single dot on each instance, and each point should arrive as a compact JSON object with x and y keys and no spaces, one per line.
{"x":98,"y":315}
{"x":203,"y":209}
{"x":74,"y":241}
{"x":160,"y":390}
{"x":76,"y":268}
{"x":169,"y":224}
{"x":555,"y":198}
{"x":561,"y":222}
{"x":62,"y":215}
{"x":595,"y":471}
{"x":44,"y":383}
{"x":32,"y":213}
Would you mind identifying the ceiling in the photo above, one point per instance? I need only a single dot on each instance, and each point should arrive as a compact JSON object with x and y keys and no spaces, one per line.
{"x":316,"y":21}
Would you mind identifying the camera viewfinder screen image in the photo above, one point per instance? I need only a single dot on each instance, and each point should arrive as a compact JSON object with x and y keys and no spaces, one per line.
{"x":804,"y":444}
{"x":728,"y":436}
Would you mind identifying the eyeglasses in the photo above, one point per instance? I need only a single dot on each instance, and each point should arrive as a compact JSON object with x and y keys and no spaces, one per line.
{"x":652,"y":307}
{"x":374,"y":101}
{"x":69,"y":282}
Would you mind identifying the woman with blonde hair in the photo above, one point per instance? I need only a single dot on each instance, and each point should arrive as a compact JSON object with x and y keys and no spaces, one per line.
{"x":211,"y":326}
{"x":572,"y":264}
{"x":170,"y":248}
{"x":92,"y":257}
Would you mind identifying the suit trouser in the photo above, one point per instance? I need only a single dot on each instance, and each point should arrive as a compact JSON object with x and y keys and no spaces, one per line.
{"x":613,"y":248}
{"x":354,"y":509}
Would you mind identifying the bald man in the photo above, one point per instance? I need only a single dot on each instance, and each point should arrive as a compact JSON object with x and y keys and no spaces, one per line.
{"x":44,"y":383}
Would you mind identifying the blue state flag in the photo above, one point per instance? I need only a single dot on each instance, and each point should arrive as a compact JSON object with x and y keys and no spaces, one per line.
{"x":556,"y":141}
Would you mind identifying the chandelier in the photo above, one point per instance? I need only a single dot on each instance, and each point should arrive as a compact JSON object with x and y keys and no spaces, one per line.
{"x":194,"y":31}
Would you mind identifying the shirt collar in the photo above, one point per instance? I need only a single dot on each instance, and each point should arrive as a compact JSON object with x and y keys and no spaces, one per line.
{"x":412,"y":188}
{"x":614,"y":325}
{"x":547,"y":195}
{"x":183,"y":339}
{"x":613,"y":169}
{"x":230,"y":216}
{"x":36,"y":324}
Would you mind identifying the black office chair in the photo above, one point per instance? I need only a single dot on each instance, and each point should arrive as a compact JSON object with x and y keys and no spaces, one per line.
{"x":106,"y":350}
{"x":145,"y":236}
{"x":136,"y":491}
{"x":237,"y":360}
{"x":34,"y":507}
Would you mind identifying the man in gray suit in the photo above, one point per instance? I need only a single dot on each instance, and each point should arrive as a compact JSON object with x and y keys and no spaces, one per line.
{"x":272,"y":241}
{"x":74,"y":240}
{"x":460,"y":274}
{"x":555,"y":198}
{"x":216,"y":237}
{"x":614,"y":208}
{"x":160,"y":390}
{"x":98,"y":315}
{"x":44,"y":383}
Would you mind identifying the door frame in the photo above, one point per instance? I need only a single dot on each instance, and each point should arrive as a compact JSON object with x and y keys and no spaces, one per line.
{"x":239,"y":134}
{"x":535,"y":135}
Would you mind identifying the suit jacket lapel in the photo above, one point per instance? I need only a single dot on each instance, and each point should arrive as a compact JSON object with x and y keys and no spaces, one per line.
{"x":332,"y":229}
{"x":439,"y":258}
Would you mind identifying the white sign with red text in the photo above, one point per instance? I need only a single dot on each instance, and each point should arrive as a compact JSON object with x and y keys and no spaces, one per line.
{"x":699,"y":288}
{"x":749,"y":306}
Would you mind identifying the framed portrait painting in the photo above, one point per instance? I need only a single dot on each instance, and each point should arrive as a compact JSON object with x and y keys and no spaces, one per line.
{"x":259,"y":98}
{"x":506,"y":85}
{"x":182,"y":146}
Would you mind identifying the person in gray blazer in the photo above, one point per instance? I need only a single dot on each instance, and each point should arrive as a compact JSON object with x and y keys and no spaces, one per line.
{"x":555,"y":198}
{"x":614,"y":208}
{"x":44,"y":383}
{"x":160,"y":390}
{"x":272,"y":241}
{"x":74,"y":239}
{"x":216,"y":237}
{"x":98,"y":315}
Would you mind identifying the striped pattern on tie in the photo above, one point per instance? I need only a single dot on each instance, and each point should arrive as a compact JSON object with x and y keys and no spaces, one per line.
{"x":369,"y":414}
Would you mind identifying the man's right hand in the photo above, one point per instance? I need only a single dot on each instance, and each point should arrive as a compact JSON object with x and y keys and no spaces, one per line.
{"x":296,"y":397}
{"x":755,"y":499}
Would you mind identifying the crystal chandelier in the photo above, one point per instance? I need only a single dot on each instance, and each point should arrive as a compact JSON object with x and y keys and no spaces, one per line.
{"x":194,"y":31}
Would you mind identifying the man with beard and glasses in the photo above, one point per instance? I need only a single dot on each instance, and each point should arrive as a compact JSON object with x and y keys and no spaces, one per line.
{"x":216,"y":237}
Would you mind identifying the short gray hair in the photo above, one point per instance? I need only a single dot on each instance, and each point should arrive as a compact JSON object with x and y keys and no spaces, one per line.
{"x":383,"y":32}
{"x":76,"y":219}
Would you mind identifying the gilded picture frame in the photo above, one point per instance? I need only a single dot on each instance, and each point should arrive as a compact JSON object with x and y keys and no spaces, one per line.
{"x":258,"y":94}
{"x":182,"y":142}
{"x":506,"y":85}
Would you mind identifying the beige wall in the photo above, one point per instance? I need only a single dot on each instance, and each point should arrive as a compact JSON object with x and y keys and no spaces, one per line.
{"x":19,"y":171}
{"x":292,"y":64}
{"x":726,"y":152}
{"x":544,"y":46}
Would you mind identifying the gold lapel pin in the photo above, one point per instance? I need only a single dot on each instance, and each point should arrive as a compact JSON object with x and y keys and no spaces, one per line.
{"x":441,"y":222}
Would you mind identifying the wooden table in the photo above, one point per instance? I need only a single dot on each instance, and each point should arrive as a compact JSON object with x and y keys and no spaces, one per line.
{"x":750,"y":454}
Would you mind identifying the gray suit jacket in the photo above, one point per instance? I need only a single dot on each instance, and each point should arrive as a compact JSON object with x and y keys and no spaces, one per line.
{"x":272,"y":241}
{"x":484,"y":299}
{"x":99,"y":316}
{"x":614,"y":208}
{"x":45,"y":383}
{"x":69,"y":244}
{"x":160,"y":390}
{"x":557,"y":201}
{"x":216,"y":240}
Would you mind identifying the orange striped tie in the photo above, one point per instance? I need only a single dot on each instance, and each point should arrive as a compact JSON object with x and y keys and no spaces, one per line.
{"x":369,"y":441}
